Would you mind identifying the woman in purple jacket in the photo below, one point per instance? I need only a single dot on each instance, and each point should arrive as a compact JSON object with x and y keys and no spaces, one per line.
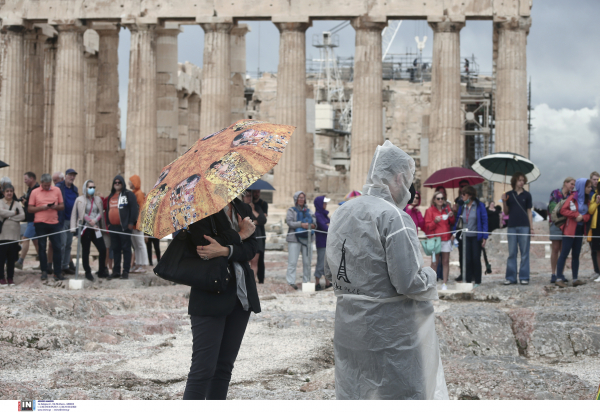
{"x":321,"y":214}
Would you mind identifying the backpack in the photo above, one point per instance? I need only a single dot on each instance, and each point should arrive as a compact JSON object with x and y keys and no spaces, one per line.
{"x":558,"y":219}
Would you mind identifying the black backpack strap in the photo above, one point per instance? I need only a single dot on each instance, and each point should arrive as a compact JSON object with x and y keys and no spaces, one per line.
{"x":213,"y":225}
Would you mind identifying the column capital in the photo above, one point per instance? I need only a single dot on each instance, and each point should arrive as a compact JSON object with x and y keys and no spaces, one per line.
{"x":240,"y":30}
{"x":106,"y":28}
{"x":365,"y":23}
{"x":446,"y":26}
{"x":168,"y":28}
{"x":217,"y":27}
{"x":292,"y":26}
{"x":513,"y":23}
{"x":134,"y":27}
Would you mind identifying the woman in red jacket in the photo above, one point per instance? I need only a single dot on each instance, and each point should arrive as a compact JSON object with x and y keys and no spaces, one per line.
{"x":575,"y":209}
{"x":438,"y":222}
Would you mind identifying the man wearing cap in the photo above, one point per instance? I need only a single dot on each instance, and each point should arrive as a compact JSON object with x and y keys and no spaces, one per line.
{"x":70,"y":194}
{"x":322,"y":216}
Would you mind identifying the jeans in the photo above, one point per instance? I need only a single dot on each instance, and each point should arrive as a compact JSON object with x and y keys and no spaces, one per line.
{"x":216,"y":343}
{"x":8,"y":255}
{"x":473,"y":264}
{"x":522,"y":242}
{"x":459,"y":237}
{"x":66,"y":240}
{"x":87,"y":238}
{"x":320,"y":268}
{"x":294,"y":249}
{"x":49,"y":231}
{"x":570,"y":244}
{"x":152,"y":241}
{"x":261,"y":267}
{"x":120,"y":243}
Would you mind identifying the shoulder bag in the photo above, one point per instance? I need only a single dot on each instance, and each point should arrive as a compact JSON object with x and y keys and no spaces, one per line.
{"x":181,"y":264}
{"x":2,"y":221}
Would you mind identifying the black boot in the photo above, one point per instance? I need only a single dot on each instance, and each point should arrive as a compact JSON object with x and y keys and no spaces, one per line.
{"x":89,"y":277}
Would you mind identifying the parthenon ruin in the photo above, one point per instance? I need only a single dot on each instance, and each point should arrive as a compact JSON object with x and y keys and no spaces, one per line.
{"x":59,"y":81}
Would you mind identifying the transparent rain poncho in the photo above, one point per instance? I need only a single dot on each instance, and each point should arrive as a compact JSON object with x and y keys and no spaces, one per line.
{"x":385,"y":342}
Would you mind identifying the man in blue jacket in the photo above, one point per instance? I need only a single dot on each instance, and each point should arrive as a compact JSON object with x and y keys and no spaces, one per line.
{"x":474,"y":218}
{"x":70,"y":193}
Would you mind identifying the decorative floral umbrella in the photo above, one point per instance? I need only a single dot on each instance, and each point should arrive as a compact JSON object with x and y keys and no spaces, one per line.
{"x":216,"y":169}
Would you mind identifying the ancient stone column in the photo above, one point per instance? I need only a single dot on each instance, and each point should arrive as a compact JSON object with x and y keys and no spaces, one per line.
{"x":511,"y":86}
{"x":183,"y":136}
{"x":141,"y":148}
{"x":238,"y":71}
{"x":49,"y":98}
{"x":90,"y":83}
{"x":68,"y":145}
{"x":108,"y":156}
{"x":33,"y":139}
{"x":292,"y":172}
{"x":167,"y":101}
{"x":216,"y":78}
{"x":193,"y":116}
{"x":367,"y":105}
{"x":446,"y":142}
{"x":12,"y":119}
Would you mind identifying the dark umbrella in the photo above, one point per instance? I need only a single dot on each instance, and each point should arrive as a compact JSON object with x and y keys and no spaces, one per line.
{"x":450,"y":177}
{"x":499,"y":167}
{"x":260,"y":185}
{"x":2,"y":164}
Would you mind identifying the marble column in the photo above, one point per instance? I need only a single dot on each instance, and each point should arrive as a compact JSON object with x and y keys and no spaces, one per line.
{"x":367,"y":104}
{"x":238,"y":71}
{"x":34,"y":104}
{"x":216,"y":78}
{"x":183,"y":136}
{"x":193,"y":116}
{"x":446,"y":142}
{"x":12,"y":119}
{"x":90,"y":84}
{"x":167,"y":100}
{"x":291,"y":174}
{"x":141,"y":155}
{"x":511,"y":86}
{"x":108,"y":156}
{"x":68,"y":145}
{"x":49,"y":99}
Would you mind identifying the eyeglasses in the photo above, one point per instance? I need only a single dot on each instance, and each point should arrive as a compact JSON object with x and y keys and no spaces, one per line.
{"x":439,"y":198}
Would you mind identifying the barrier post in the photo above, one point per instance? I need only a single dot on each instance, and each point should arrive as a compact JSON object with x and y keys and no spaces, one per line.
{"x":78,"y":252}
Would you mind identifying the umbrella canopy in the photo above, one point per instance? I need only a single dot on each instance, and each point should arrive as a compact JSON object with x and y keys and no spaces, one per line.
{"x":499,"y":167}
{"x":450,"y":177}
{"x":352,"y":195}
{"x":2,"y":164}
{"x":261,"y":185}
{"x":215,"y":170}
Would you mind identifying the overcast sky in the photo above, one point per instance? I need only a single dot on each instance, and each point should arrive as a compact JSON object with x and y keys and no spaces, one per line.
{"x":562,"y":59}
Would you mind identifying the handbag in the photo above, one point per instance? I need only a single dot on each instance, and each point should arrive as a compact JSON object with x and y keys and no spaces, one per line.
{"x":2,"y":221}
{"x":488,"y":267}
{"x":181,"y":264}
{"x":432,"y":246}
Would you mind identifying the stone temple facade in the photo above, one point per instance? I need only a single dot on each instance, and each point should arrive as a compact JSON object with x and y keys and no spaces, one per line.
{"x":59,"y":82}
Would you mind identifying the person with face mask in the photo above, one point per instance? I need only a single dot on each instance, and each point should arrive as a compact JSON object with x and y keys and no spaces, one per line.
{"x":87,"y":211}
{"x":385,"y":342}
{"x":45,"y":202}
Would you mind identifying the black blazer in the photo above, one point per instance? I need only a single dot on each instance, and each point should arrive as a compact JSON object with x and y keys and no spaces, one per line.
{"x":204,"y":303}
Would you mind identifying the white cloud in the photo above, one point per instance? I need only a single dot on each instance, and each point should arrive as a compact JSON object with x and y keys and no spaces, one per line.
{"x":564,"y":142}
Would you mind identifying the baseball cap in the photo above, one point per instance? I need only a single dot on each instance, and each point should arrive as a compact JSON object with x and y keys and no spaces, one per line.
{"x":326,"y":200}
{"x":70,"y":171}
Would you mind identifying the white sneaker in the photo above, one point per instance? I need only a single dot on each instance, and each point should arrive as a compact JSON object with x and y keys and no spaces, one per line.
{"x":597,"y":279}
{"x":444,"y":287}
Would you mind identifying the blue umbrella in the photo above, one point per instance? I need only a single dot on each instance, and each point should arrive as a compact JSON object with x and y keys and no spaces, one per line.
{"x":260,"y":185}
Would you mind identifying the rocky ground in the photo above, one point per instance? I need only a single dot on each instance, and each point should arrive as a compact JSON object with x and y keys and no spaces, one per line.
{"x":131,"y":339}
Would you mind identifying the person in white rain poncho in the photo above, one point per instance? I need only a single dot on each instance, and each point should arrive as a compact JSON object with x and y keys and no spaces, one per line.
{"x":385,"y":342}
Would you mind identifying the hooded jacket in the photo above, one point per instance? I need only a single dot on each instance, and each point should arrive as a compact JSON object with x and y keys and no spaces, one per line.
{"x":322,"y":216}
{"x":415,"y":214}
{"x":291,"y":218}
{"x":593,"y":212}
{"x":570,"y":209}
{"x":137,"y":191}
{"x":128,"y":207}
{"x":385,"y":342}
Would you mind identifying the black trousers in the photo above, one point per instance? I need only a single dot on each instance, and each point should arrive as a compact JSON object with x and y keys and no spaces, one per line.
{"x":120,"y":243}
{"x":8,"y":255}
{"x":473,"y":258}
{"x":216,"y":343}
{"x":595,"y":261}
{"x":156,"y":242}
{"x":87,"y":238}
{"x":261,"y":267}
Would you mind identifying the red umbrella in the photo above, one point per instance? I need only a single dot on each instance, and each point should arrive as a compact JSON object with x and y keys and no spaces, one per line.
{"x":451,"y":176}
